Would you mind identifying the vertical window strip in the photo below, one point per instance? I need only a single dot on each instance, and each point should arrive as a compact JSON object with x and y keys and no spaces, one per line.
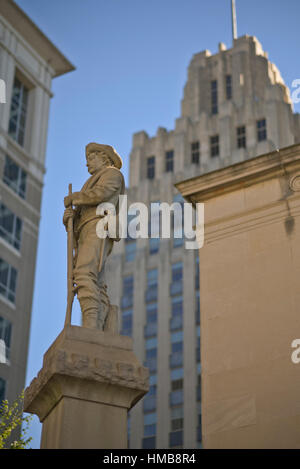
{"x":195,"y":152}
{"x":15,"y":177}
{"x":169,"y":161}
{"x":10,"y":227}
{"x":241,"y":137}
{"x":261,"y":126}
{"x":214,"y":97}
{"x":214,"y":146}
{"x":228,"y":87}
{"x":8,"y":281}
{"x":151,"y":167}
{"x":18,"y":112}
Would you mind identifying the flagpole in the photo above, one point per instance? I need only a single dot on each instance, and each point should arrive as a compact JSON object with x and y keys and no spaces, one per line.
{"x":234,"y":23}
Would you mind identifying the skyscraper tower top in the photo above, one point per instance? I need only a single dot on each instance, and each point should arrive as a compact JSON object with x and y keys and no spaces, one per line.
{"x":235,"y":105}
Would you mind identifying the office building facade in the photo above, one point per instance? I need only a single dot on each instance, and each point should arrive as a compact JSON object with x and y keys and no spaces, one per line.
{"x":28,"y":63}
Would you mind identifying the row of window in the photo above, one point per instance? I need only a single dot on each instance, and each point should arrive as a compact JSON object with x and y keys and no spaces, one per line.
{"x":176,"y":418}
{"x":151,"y":295}
{"x":154,"y":227}
{"x":241,"y":142}
{"x":175,"y":359}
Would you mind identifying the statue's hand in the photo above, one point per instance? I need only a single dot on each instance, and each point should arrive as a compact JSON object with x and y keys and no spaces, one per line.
{"x":68,"y":200}
{"x":68,"y":213}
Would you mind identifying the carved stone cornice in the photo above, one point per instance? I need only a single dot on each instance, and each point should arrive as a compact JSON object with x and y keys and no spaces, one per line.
{"x":243,"y":174}
{"x":87,"y":364}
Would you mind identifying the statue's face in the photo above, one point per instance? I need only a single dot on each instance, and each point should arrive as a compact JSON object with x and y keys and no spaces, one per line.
{"x":95,"y":161}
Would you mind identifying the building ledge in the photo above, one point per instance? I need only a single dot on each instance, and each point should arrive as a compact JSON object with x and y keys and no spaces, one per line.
{"x":245,"y":173}
{"x":35,"y":37}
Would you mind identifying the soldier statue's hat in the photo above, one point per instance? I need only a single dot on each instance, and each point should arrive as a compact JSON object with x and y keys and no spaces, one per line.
{"x":109,"y":150}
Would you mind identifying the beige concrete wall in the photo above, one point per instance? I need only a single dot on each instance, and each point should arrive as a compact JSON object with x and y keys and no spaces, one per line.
{"x":249,"y":281}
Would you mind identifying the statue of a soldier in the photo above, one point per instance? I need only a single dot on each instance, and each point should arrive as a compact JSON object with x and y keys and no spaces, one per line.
{"x":105,"y":185}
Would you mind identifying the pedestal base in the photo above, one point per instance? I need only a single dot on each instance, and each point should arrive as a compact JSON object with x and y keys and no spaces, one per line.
{"x":89,"y":380}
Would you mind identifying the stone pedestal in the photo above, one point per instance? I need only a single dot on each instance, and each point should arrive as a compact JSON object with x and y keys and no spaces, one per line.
{"x":88,"y":382}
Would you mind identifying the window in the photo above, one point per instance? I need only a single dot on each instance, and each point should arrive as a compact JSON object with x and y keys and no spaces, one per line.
{"x":8,"y":281}
{"x":178,"y":373}
{"x":199,"y":428}
{"x":15,"y":177}
{"x":5,"y":335}
{"x":149,"y":443}
{"x":176,"y":285}
{"x":197,"y":309}
{"x":198,"y":389}
{"x":151,"y":167}
{"x":197,"y":274}
{"x":18,"y":112}
{"x":176,"y":321}
{"x":2,"y":390}
{"x":130,"y":250}
{"x":195,"y":152}
{"x":152,"y":277}
{"x":177,"y":306}
{"x":150,"y":424}
{"x":228,"y":85}
{"x":177,"y":272}
{"x":151,"y":312}
{"x":126,"y":322}
{"x":151,"y":344}
{"x":151,"y":354}
{"x":261,"y":126}
{"x":128,"y":285}
{"x":127,"y":298}
{"x":176,"y":337}
{"x":176,"y":438}
{"x":241,"y":137}
{"x":198,"y":353}
{"x":176,"y":357}
{"x":10,"y":227}
{"x":128,"y":429}
{"x":214,"y":97}
{"x":150,"y":328}
{"x":152,"y":286}
{"x":176,"y":418}
{"x":214,"y":145}
{"x":169,"y":161}
{"x":153,"y":245}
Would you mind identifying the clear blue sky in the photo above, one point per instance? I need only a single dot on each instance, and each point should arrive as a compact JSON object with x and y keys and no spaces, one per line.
{"x":131,"y":59}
